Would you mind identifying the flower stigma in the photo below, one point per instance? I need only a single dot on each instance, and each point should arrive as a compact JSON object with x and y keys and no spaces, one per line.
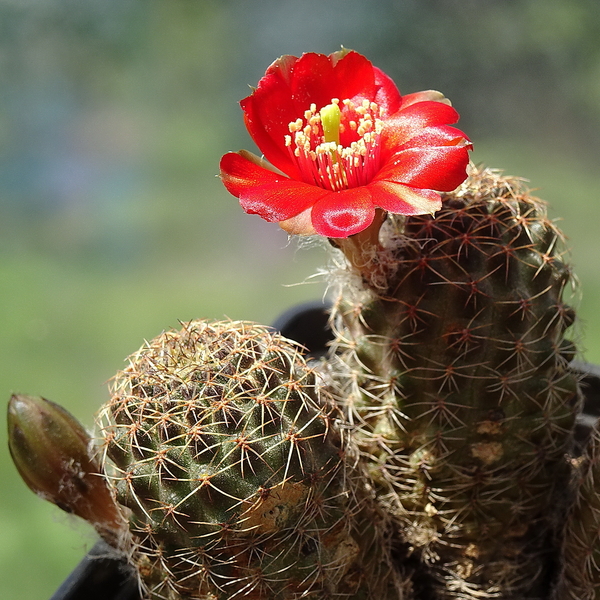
{"x":315,"y":144}
{"x":331,"y":116}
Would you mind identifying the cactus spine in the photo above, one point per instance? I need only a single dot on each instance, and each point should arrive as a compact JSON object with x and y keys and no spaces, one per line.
{"x":451,"y":363}
{"x":229,"y":463}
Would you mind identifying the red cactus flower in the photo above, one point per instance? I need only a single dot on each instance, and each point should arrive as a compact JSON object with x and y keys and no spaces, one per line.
{"x":343,"y":142}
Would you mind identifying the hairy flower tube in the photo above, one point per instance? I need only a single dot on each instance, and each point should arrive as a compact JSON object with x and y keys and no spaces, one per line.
{"x":341,"y":142}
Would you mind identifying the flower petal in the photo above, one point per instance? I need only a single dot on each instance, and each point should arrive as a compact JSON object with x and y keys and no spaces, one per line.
{"x":423,"y":96}
{"x":441,"y":168}
{"x":387,"y":96}
{"x":408,"y":122}
{"x":283,"y":67}
{"x":344,"y":75}
{"x":238,"y":172}
{"x":292,"y":84}
{"x":288,"y":88}
{"x":280,"y":201}
{"x":404,"y":200}
{"x":357,"y":80}
{"x":344,"y":213}
{"x":263,"y":192}
{"x":444,"y":135}
{"x":267,"y":114}
{"x":299,"y":225}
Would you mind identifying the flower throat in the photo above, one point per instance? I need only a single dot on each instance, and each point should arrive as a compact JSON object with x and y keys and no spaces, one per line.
{"x":316,"y":148}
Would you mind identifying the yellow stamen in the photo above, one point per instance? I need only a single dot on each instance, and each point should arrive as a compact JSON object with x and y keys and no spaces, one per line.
{"x":315,"y":144}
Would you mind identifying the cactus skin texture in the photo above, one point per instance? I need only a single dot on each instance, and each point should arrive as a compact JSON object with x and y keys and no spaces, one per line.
{"x":228,"y":461}
{"x":580,"y":576}
{"x":457,"y":385}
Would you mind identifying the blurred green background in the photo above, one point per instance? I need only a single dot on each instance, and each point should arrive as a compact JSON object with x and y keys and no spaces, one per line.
{"x":113,"y":226}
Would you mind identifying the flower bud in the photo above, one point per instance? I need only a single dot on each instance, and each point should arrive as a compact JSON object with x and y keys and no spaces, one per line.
{"x":53,"y":454}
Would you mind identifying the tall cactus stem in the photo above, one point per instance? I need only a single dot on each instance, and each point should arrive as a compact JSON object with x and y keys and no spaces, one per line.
{"x":451,"y":364}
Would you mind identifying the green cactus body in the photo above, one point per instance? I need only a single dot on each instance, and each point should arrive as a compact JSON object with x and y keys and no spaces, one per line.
{"x":231,"y":468}
{"x":452,"y":368}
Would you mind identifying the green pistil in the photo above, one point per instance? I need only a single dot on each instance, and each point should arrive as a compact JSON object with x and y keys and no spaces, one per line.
{"x":331,"y":115}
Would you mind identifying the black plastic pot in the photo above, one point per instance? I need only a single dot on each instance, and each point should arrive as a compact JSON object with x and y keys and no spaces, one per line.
{"x":101,"y":575}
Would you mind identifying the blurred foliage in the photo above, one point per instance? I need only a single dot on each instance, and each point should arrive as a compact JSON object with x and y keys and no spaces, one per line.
{"x":492,"y":56}
{"x":113,"y":226}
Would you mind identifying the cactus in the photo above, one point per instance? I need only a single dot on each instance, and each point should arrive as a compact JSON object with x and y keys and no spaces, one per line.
{"x":227,"y":458}
{"x":444,"y":466}
{"x":451,"y":363}
{"x":580,"y":560}
{"x":430,"y":456}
